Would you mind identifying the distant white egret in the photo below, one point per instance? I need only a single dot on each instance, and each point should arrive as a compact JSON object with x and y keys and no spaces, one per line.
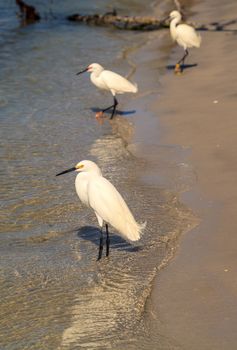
{"x":184,"y":35}
{"x":110,"y":81}
{"x":99,"y":194}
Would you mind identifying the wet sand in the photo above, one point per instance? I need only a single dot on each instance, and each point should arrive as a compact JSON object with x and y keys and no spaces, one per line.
{"x":194,"y":300}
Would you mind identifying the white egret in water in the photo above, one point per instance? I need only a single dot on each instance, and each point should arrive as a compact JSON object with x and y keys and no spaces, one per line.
{"x":184,"y":35}
{"x":110,"y":81}
{"x":99,"y":194}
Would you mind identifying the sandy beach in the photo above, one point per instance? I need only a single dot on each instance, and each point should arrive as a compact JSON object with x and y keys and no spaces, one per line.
{"x":194,"y":300}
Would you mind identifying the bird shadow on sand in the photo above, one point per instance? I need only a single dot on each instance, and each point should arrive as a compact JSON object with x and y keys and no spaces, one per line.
{"x":92,"y":234}
{"x":96,"y":110}
{"x":183,"y":66}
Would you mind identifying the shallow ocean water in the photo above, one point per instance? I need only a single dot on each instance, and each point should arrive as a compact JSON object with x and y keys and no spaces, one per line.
{"x":53,"y":293}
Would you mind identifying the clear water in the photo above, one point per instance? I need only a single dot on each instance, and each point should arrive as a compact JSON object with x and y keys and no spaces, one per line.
{"x":53,"y":293}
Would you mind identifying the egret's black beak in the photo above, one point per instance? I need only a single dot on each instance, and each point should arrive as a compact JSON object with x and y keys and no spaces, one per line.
{"x":67,"y":171}
{"x":83,"y":71}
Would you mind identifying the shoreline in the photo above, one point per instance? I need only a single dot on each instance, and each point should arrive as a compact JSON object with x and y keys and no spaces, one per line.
{"x":193,"y":300}
{"x":151,"y":60}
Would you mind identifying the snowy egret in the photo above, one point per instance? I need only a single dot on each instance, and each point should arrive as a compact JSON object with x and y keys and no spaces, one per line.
{"x":99,"y":194}
{"x":110,"y":81}
{"x":184,"y":35}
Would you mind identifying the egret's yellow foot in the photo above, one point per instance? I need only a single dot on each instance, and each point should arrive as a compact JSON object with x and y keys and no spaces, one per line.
{"x":177,"y":69}
{"x":99,"y":116}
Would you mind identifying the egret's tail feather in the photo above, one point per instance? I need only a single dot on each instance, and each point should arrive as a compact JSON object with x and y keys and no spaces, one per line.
{"x":134,"y":231}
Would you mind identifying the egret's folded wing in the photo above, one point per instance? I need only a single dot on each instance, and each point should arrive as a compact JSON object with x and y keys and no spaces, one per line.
{"x":188,"y":35}
{"x":111,"y":207}
{"x":117,"y":83}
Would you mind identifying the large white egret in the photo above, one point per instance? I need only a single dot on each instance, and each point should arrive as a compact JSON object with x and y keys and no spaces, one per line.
{"x":99,"y":194}
{"x":184,"y":35}
{"x":110,"y":81}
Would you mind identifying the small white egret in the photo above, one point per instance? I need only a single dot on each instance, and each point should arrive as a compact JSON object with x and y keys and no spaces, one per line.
{"x":99,"y":194}
{"x":110,"y":81}
{"x":184,"y":35}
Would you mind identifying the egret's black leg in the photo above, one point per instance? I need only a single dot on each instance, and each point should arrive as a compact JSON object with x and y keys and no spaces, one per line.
{"x":107,"y":240}
{"x":183,"y":58}
{"x":114,"y":107}
{"x":106,"y":109}
{"x":101,"y":244}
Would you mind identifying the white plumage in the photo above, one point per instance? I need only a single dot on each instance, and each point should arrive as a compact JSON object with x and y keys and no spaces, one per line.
{"x":107,"y":80}
{"x":183,"y":34}
{"x":99,"y":194}
{"x":110,"y":81}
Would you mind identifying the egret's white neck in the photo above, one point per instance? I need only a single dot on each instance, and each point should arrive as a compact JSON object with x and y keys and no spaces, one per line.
{"x":175,"y":20}
{"x":95,"y":172}
{"x":173,"y":24}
